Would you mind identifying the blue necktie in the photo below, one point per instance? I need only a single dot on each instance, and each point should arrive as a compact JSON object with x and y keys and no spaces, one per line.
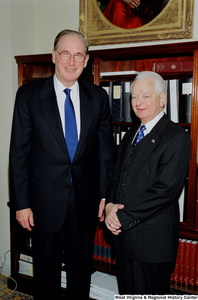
{"x":71,"y":136}
{"x":139,"y":135}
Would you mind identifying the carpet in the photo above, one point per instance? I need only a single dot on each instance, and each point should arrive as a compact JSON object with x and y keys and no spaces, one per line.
{"x":8,"y":294}
{"x":16,"y":296}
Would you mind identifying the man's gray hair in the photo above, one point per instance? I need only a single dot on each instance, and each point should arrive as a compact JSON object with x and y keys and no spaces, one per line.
{"x":70,"y":32}
{"x":160,"y":86}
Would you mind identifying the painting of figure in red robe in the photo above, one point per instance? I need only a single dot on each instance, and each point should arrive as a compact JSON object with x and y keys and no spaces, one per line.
{"x":131,"y":13}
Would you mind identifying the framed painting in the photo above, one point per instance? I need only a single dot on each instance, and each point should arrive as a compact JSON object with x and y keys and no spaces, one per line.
{"x":127,"y":21}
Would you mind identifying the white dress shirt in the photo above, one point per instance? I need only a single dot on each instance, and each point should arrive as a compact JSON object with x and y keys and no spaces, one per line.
{"x":75,"y":98}
{"x":152,"y":123}
{"x":149,"y":126}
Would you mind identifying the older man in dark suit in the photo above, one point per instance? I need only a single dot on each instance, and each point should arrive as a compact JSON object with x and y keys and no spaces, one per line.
{"x":61,"y":155}
{"x":142,"y":208}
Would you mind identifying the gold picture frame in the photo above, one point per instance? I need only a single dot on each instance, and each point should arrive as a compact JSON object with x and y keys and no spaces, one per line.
{"x":175,"y":21}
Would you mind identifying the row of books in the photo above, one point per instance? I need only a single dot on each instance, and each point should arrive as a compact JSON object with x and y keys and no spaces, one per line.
{"x":102,"y":253}
{"x":120,"y":100}
{"x":186,"y":268}
{"x":185,"y":274}
{"x":178,"y":106}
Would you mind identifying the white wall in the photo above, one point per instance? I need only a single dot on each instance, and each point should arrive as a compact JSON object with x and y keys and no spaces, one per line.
{"x":52,"y":16}
{"x":26,"y":27}
{"x":29,"y":27}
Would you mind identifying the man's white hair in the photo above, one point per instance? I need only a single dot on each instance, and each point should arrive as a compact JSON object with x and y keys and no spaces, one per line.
{"x":160,"y":86}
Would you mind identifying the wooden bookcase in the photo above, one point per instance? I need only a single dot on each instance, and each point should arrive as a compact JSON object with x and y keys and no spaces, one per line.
{"x":32,"y":67}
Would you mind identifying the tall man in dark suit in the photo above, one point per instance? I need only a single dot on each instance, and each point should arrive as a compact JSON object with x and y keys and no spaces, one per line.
{"x":55,"y":195}
{"x":142,"y":208}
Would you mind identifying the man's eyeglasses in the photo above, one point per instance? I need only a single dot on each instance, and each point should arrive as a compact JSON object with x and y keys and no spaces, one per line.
{"x":66,"y":56}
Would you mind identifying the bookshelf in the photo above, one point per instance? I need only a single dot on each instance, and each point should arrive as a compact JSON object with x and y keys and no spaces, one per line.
{"x":117,"y":65}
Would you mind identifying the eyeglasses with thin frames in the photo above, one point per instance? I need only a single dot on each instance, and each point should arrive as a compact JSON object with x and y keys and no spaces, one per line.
{"x":64,"y":55}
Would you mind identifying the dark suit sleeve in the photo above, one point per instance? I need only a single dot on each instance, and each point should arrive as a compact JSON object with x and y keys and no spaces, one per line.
{"x":20,"y":148}
{"x":106,"y":145}
{"x":169,"y":171}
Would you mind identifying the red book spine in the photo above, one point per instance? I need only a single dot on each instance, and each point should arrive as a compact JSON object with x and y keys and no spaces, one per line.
{"x":95,"y":247}
{"x":108,"y":253}
{"x":100,"y":237}
{"x":196,"y":266}
{"x":187,"y":245}
{"x":104,"y":250}
{"x":174,"y":276}
{"x":191,"y":279}
{"x":181,"y":261}
{"x":173,"y":66}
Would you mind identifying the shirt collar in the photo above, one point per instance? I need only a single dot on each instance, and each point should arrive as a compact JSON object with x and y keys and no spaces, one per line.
{"x":153,"y":122}
{"x":60,"y":87}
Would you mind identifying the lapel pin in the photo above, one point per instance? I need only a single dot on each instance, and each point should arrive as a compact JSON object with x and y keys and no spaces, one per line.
{"x":153,"y":141}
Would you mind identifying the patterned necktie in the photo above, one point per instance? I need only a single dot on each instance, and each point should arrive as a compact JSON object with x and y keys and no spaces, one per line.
{"x":139,"y":135}
{"x":71,"y":136}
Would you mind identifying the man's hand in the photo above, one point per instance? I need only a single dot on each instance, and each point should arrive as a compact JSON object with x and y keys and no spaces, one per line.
{"x":111,"y":220}
{"x":133,"y":3}
{"x":25,"y":218}
{"x":101,"y":210}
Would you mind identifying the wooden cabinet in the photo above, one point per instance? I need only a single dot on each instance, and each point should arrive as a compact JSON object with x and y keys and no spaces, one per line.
{"x":143,"y":58}
{"x":121,"y":61}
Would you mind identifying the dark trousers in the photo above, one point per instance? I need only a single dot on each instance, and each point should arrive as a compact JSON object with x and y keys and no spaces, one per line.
{"x":48,"y":254}
{"x":142,"y":278}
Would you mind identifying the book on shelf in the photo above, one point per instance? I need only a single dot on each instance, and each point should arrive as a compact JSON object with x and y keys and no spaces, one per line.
{"x":95,"y":246}
{"x":174,"y":275}
{"x":116,"y":73}
{"x":26,"y":258}
{"x":181,"y":202}
{"x":173,"y":66}
{"x":108,"y":253}
{"x":187,"y":245}
{"x":117,"y":101}
{"x":63,"y":279}
{"x":196,"y":266}
{"x":181,"y":261}
{"x":119,"y":93}
{"x":185,"y":273}
{"x":185,"y":96}
{"x":102,"y":248}
{"x":192,"y":261}
{"x":25,"y":267}
{"x":99,"y":244}
{"x":166,"y":104}
{"x":107,"y":86}
{"x":179,"y":94}
{"x":127,"y":108}
{"x":173,"y":100}
{"x":103,"y":286}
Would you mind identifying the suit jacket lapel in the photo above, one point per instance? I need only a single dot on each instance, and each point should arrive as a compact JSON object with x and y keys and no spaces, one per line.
{"x":51,"y":113}
{"x":86,"y":108}
{"x":149,"y":142}
{"x":50,"y":110}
